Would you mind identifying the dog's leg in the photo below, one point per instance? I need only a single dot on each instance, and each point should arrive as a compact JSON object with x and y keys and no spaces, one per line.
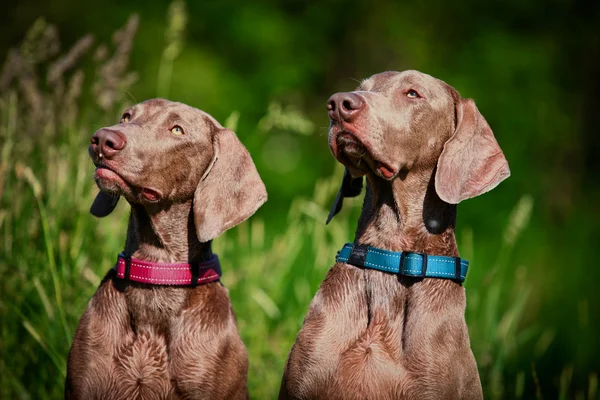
{"x":103,"y":328}
{"x":208,"y":358}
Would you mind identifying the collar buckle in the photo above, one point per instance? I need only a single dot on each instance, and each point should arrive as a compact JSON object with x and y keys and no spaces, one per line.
{"x":403,"y":262}
{"x":457,"y":268}
{"x":127,"y":272}
{"x":358,"y":255}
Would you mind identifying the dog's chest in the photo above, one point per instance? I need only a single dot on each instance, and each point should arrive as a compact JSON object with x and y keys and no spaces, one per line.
{"x":141,"y":360}
{"x":161,"y":343}
{"x":368,"y":336}
{"x":154,"y":309}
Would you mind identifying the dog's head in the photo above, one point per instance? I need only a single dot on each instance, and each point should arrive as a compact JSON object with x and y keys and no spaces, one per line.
{"x":396,"y":122}
{"x":164,"y":152}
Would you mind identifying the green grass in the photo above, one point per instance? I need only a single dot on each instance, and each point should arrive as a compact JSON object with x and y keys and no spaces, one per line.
{"x":53,"y":252}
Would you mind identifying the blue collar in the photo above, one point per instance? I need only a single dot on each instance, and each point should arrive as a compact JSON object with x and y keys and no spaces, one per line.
{"x":418,"y":265}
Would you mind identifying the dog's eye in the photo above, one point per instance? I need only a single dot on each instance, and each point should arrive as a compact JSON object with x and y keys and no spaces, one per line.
{"x":177,"y":130}
{"x":412,"y":94}
{"x":125,"y":118}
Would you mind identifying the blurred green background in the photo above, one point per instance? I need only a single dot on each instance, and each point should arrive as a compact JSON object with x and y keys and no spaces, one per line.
{"x":266,"y":68}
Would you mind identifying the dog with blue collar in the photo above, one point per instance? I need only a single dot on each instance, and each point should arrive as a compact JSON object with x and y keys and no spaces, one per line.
{"x":388,"y":320}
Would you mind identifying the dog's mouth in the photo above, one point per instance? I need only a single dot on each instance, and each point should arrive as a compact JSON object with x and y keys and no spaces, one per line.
{"x":355,"y":155}
{"x":151,"y":195}
{"x":110,"y":181}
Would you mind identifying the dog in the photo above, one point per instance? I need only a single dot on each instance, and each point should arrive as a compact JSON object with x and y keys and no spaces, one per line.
{"x":161,"y":324}
{"x":386,"y":323}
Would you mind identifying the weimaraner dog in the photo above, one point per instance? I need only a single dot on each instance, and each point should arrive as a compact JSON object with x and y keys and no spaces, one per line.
{"x":161,"y":324}
{"x":388,"y":320}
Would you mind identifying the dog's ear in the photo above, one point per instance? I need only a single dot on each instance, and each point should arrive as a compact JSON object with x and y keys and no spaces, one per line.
{"x":230,"y":190}
{"x":471,"y":162}
{"x":103,"y":204}
{"x":351,"y":187}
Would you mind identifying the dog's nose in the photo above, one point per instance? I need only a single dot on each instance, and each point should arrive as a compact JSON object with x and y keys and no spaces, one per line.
{"x":345,"y":106}
{"x":107,"y":143}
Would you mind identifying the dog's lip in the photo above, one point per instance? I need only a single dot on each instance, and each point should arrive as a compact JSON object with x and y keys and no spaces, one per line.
{"x":151,"y":195}
{"x":105,"y":172}
{"x":380,"y":168}
{"x":347,"y":139}
{"x":385,"y":170}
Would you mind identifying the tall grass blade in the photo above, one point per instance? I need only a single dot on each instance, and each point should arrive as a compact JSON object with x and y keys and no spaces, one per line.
{"x":176,"y":22}
{"x":36,"y":187}
{"x":58,"y":361}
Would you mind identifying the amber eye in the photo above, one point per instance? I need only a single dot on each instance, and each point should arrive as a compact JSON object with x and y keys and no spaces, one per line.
{"x":177,"y":130}
{"x":125,"y":118}
{"x":412,"y":94}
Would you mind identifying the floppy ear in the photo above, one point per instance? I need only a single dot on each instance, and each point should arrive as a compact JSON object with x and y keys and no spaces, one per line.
{"x":103,"y":204}
{"x":471,"y":162}
{"x":351,"y":187}
{"x":230,"y":190}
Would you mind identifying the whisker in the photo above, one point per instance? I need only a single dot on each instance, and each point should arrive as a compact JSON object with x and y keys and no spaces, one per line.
{"x":130,"y":95}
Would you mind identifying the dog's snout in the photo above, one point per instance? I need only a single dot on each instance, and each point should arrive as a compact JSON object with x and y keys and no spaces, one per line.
{"x":107,"y":143}
{"x":344,"y":106}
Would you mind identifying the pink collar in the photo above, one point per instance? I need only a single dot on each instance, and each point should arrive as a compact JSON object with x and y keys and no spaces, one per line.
{"x":168,"y":274}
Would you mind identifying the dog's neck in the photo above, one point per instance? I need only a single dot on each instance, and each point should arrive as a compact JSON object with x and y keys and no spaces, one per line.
{"x":406,"y":214}
{"x":164,"y":233}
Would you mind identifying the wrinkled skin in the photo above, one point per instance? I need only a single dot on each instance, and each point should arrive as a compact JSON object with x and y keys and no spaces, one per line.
{"x":373,"y":335}
{"x":187,"y":179}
